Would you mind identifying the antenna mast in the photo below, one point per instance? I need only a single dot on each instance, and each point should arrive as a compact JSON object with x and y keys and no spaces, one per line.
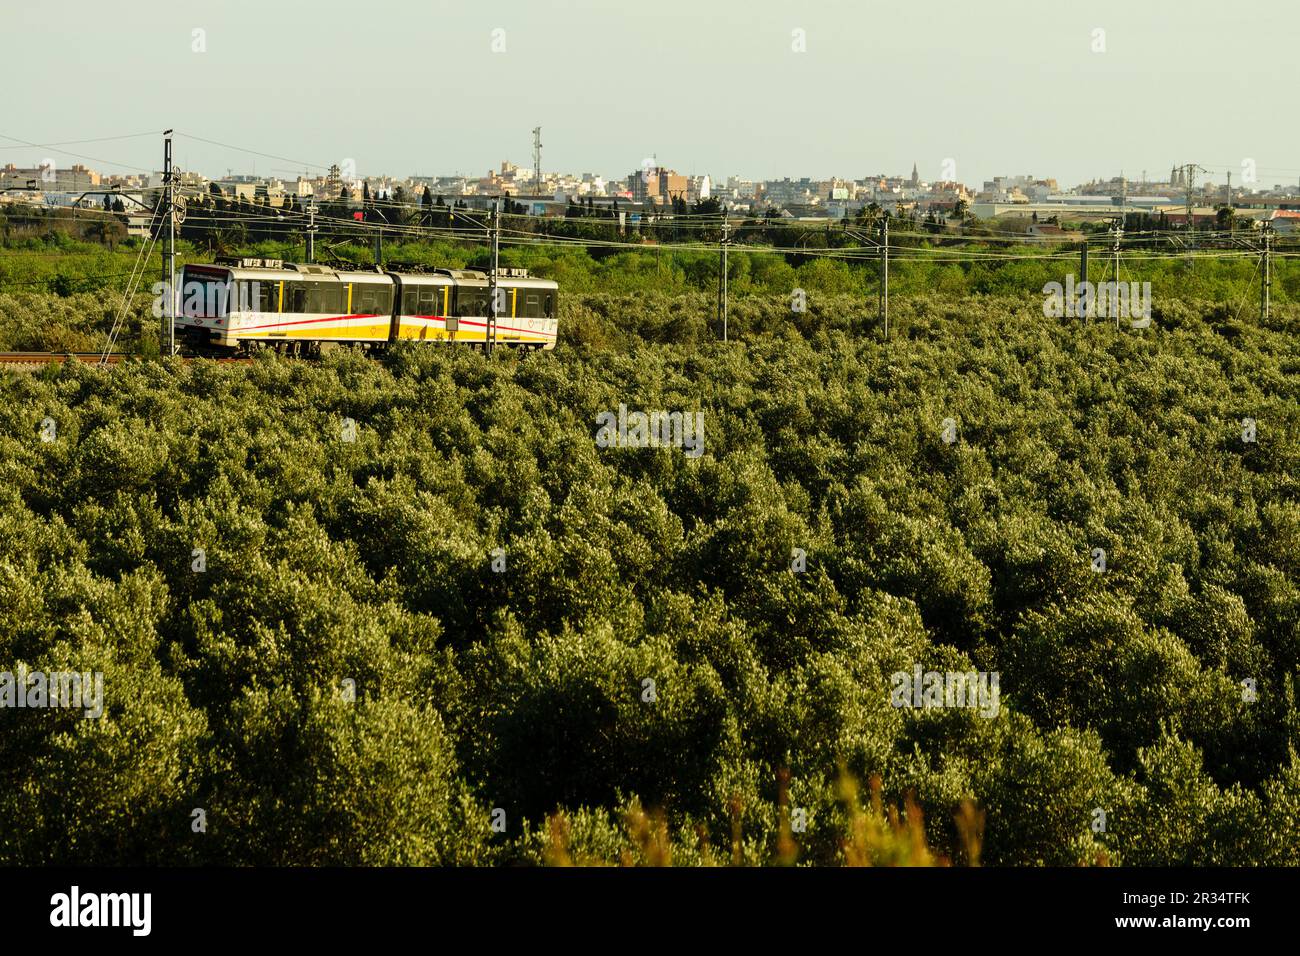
{"x":537,"y":160}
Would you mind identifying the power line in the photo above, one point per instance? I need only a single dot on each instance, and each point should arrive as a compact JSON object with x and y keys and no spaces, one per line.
{"x":253,"y":152}
{"x":76,"y":142}
{"x":66,"y":152}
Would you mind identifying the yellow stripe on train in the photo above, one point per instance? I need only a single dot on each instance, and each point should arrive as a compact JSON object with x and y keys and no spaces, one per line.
{"x":430,"y":333}
{"x":377,"y":333}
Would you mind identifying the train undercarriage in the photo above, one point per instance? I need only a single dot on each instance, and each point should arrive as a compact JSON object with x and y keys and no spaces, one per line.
{"x":206,"y":343}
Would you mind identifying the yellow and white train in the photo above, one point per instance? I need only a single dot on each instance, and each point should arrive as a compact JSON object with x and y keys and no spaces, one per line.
{"x":296,"y":308}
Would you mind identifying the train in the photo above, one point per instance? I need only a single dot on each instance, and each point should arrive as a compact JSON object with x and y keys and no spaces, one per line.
{"x":298,"y":309}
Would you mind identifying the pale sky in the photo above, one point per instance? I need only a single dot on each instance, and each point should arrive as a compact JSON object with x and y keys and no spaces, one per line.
{"x":414,"y":87}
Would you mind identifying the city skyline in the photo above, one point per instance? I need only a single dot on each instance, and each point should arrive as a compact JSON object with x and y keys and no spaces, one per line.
{"x":1248,"y":180}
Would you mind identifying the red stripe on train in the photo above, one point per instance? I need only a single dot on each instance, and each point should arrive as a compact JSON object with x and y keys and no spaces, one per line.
{"x":328,"y":318}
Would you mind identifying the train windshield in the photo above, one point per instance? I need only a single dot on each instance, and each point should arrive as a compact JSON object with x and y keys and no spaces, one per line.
{"x":205,"y":295}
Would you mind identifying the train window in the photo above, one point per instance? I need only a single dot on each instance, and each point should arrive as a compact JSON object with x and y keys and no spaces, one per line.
{"x":363,"y":299}
{"x":428,"y":300}
{"x":548,"y":306}
{"x":410,"y":300}
{"x":204,"y":295}
{"x":268,"y":296}
{"x":336,"y":299}
{"x":371,"y":298}
{"x":532,"y":305}
{"x":296,"y":298}
{"x":324,"y":297}
{"x":242,"y":293}
{"x":471,"y":301}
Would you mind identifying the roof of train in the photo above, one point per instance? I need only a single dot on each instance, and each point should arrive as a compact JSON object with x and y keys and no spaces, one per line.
{"x":274,"y":268}
{"x":237,"y":272}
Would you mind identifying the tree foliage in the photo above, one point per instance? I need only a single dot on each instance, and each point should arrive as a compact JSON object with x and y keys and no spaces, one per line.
{"x":459,"y":611}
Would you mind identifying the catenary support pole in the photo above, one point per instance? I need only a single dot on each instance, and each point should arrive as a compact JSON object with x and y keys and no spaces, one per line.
{"x":167,"y":336}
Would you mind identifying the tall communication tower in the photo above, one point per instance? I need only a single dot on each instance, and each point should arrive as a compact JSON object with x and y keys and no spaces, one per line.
{"x":537,"y":159}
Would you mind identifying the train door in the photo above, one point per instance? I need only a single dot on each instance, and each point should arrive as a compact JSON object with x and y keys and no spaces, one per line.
{"x":452,"y":319}
{"x":395,"y":320}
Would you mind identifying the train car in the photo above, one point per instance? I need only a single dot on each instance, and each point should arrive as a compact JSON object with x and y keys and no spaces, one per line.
{"x":297,"y":308}
{"x":266,"y":301}
{"x":454,"y":306}
{"x":528,"y":314}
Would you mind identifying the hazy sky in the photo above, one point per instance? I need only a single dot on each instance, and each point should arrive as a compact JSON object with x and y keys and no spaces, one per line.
{"x":708,"y":86}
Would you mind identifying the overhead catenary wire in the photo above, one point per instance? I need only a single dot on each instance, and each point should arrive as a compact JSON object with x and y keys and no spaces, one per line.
{"x":263,"y":214}
{"x":253,"y":152}
{"x":93,"y":159}
{"x":216,"y":219}
{"x":137,"y":275}
{"x":23,"y":144}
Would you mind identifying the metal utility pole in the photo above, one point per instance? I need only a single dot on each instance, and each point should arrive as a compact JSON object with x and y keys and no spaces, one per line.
{"x":379,"y":246}
{"x":1267,"y":268}
{"x":537,"y":160}
{"x":1189,"y":171}
{"x":1083,"y":262}
{"x":311,"y":231}
{"x":1119,"y":231}
{"x":884,"y":274}
{"x":167,"y":337}
{"x":490,"y":340}
{"x":722,"y":277}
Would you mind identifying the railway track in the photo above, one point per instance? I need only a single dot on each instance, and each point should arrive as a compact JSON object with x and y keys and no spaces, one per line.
{"x":37,"y":359}
{"x":49,"y":358}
